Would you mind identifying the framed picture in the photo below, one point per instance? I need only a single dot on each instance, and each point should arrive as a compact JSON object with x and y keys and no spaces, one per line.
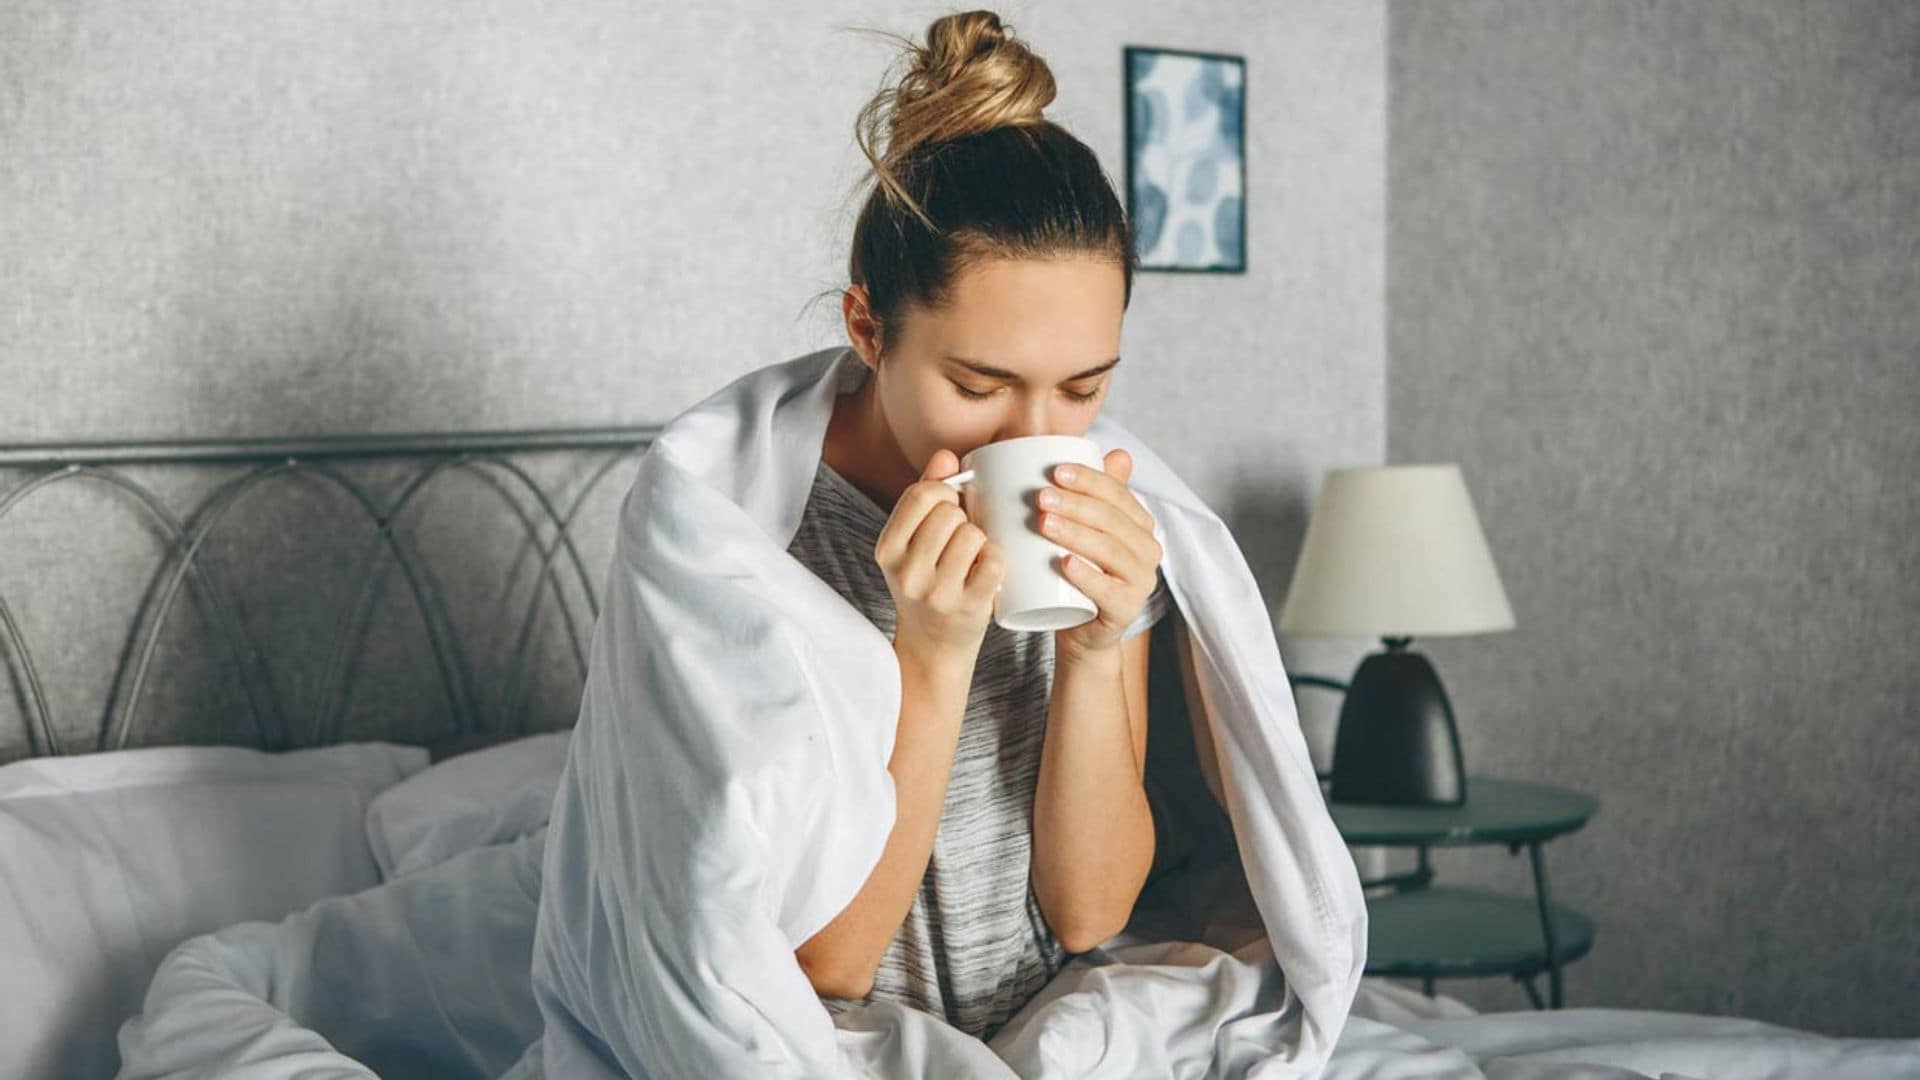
{"x":1186,"y":159}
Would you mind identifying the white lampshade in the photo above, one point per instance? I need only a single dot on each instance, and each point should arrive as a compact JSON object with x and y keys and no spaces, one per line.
{"x":1393,"y":551}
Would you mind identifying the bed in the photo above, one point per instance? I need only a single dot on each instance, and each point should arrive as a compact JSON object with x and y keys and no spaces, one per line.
{"x":272,"y":890}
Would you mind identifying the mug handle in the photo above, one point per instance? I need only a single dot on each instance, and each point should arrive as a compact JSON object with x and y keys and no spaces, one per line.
{"x":959,"y":478}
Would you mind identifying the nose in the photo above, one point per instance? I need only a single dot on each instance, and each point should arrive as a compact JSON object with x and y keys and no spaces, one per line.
{"x":1030,"y":418}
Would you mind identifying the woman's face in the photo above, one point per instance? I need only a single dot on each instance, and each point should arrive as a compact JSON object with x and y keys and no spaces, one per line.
{"x":1035,"y":339}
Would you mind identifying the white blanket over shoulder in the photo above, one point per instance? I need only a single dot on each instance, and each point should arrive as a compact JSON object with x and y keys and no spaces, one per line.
{"x":727,"y":794}
{"x":667,"y":916}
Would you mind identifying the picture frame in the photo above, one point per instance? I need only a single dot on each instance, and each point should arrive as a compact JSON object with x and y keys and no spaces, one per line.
{"x":1186,"y":159}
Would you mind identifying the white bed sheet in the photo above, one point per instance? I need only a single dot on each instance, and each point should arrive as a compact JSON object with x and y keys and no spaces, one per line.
{"x":427,"y":975}
{"x":109,"y":860}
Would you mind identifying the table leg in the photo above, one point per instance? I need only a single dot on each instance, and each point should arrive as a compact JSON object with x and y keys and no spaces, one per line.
{"x":1546,"y":924}
{"x":1407,"y":882}
{"x":1533,"y":995}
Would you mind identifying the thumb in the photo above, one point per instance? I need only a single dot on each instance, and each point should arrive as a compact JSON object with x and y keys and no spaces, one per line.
{"x":942,"y":464}
{"x":1119,"y":465}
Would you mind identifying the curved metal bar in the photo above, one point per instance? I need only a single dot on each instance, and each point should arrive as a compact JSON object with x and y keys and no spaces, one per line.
{"x":114,"y":733}
{"x":42,"y":715}
{"x":516,"y":668}
{"x":217,"y":506}
{"x":593,"y":599}
{"x":175,"y":535}
{"x":185,"y":541}
{"x":328,"y":721}
{"x":563,"y":537}
{"x":460,"y":692}
{"x":205,"y":451}
{"x":352,"y":628}
{"x":542,"y":573}
{"x":333,"y":694}
{"x":1324,"y":683}
{"x":1321,"y":681}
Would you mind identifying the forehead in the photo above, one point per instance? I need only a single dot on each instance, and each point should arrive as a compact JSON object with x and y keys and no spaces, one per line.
{"x":1041,"y":317}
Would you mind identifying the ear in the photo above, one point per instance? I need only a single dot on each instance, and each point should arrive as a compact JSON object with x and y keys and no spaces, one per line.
{"x":862,"y":331}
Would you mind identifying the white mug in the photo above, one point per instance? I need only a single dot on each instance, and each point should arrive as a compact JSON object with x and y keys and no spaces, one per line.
{"x":998,"y":483}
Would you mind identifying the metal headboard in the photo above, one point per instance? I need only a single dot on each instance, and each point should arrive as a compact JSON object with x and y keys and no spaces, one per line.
{"x":484,"y":454}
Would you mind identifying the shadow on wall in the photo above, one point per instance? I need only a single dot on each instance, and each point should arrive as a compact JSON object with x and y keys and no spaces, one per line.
{"x":79,"y":563}
{"x":1269,"y":521}
{"x":1271,"y":526}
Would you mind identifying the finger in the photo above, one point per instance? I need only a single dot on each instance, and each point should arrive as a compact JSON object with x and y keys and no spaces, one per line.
{"x":1104,"y":485}
{"x":904,"y":522}
{"x":1100,"y":514}
{"x":930,"y":539}
{"x":989,"y":570}
{"x":915,"y":503}
{"x":1105,"y":590}
{"x":1106,"y":552}
{"x":957,"y":558}
{"x":942,"y":464}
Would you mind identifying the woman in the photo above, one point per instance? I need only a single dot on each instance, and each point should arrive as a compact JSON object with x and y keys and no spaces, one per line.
{"x":991,"y":268}
{"x":809,"y":772}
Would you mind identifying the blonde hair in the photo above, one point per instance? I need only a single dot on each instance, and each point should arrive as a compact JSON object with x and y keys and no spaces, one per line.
{"x":971,"y":76}
{"x":966,"y":166}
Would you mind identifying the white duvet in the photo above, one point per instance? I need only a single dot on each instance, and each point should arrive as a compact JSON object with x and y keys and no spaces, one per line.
{"x":725,"y":795}
{"x":427,"y":976}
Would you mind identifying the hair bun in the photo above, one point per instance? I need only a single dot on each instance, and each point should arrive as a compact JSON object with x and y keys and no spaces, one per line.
{"x":971,"y":76}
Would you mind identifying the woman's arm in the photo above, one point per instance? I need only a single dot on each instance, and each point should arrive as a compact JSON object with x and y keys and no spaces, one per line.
{"x":1092,"y":827}
{"x":841,"y":959}
{"x":1197,"y":710}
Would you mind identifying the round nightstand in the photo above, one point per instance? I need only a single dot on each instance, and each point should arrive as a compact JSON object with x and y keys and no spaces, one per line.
{"x":1442,"y":931}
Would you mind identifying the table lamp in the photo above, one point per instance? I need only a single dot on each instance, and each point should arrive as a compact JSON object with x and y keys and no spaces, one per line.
{"x":1395,"y":551}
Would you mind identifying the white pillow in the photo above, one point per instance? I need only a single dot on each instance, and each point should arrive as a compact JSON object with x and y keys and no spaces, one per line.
{"x":107,"y":861}
{"x":491,"y":796}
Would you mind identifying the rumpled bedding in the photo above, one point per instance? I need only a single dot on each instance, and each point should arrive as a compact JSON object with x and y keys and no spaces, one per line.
{"x":727,"y":790}
{"x":725,"y":793}
{"x":427,"y":976}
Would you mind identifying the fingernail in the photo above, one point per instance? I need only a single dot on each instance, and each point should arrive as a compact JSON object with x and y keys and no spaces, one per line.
{"x":1049,"y":498}
{"x":1066,"y":472}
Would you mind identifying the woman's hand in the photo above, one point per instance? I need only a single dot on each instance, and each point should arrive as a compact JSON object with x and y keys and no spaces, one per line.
{"x":941,"y":568}
{"x":1115,"y":558}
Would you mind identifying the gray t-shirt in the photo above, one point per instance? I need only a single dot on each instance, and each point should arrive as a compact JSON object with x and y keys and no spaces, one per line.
{"x":975,"y":946}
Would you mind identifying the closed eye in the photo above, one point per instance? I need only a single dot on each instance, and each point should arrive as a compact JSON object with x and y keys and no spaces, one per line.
{"x":978,"y":394}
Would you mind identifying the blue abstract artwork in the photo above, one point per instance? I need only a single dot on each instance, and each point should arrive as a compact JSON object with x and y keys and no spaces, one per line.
{"x":1186,"y":159}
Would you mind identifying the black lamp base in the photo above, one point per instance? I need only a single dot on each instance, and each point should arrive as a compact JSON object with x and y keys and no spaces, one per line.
{"x":1397,"y":743}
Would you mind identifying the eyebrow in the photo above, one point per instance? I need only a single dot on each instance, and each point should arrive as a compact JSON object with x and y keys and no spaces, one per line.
{"x":1002,"y":373}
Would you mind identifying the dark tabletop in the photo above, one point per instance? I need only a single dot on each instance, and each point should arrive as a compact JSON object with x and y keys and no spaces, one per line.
{"x":1496,"y":811}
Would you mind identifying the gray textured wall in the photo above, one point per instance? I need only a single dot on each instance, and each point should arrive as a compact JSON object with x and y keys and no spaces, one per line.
{"x":1652,"y":272}
{"x":1652,"y":281}
{"x":281,"y":218}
